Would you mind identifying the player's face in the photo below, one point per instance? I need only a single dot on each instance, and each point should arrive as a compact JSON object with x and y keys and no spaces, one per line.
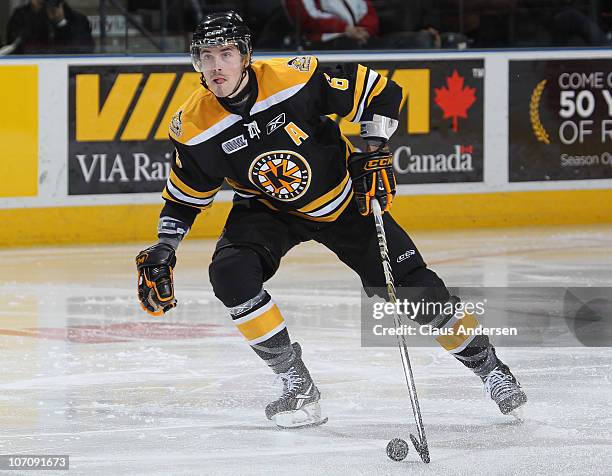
{"x":222,"y":68}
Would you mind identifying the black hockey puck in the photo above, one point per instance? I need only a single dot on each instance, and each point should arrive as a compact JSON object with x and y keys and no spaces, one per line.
{"x":397,"y":449}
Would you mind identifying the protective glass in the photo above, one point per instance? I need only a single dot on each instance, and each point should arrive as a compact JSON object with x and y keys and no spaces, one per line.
{"x":198,"y":61}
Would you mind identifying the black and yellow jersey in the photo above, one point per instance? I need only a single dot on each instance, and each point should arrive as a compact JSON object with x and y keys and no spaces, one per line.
{"x":283,"y":150}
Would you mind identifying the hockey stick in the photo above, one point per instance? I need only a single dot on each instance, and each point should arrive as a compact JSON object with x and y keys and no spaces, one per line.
{"x":420,"y":444}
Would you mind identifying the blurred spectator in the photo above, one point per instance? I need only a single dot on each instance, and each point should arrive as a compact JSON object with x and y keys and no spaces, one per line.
{"x":272,"y":29}
{"x":182,"y":16}
{"x":49,"y":26}
{"x":350,"y":24}
{"x":334,"y":24}
{"x":606,"y":17}
{"x":414,"y":21}
{"x":559,"y":24}
{"x":488,"y":23}
{"x":572,"y":27}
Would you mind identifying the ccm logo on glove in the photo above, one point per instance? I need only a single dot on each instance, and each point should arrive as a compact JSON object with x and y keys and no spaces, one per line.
{"x":379,"y":163}
{"x":372,"y":177}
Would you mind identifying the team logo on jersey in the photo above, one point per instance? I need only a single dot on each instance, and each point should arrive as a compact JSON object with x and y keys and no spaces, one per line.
{"x":235,"y":144}
{"x":176,"y":124}
{"x":275,"y":123}
{"x":282,"y":174}
{"x":300,"y":63}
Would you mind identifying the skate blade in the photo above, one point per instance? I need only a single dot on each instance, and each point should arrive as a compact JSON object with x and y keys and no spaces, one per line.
{"x":307,"y":425}
{"x":308,"y":415}
{"x":518,"y":414}
{"x":517,"y":403}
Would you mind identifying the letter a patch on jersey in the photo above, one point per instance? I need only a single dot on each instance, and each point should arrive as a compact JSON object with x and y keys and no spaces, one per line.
{"x":297,"y":135}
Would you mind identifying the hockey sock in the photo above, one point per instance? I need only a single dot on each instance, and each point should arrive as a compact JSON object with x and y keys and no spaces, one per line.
{"x":261,"y":323}
{"x":458,"y":338}
{"x":479,"y":356}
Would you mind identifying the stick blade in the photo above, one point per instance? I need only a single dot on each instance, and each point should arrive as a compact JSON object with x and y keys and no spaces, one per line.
{"x":421,"y":448}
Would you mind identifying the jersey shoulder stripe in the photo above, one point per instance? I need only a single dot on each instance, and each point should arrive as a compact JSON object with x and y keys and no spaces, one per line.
{"x":280,"y":78}
{"x":200,"y":118}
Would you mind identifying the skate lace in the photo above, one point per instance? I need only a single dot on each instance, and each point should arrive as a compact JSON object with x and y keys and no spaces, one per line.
{"x":499,"y":385}
{"x":291,"y":381}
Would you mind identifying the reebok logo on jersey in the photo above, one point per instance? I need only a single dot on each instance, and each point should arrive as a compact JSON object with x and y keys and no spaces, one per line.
{"x":275,"y":123}
{"x":235,"y":144}
{"x":405,"y":255}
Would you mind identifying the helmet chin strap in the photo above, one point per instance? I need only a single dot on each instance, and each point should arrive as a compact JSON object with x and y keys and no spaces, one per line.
{"x":242,"y":76}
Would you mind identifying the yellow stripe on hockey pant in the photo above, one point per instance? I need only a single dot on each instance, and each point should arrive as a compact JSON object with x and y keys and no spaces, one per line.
{"x":461,"y":334}
{"x":262,"y":324}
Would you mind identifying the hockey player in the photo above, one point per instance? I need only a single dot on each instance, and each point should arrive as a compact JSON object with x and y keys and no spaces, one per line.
{"x":262,"y":127}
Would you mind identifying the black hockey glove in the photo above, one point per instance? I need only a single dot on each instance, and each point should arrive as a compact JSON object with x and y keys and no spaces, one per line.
{"x":155,"y":282}
{"x":372,"y":176}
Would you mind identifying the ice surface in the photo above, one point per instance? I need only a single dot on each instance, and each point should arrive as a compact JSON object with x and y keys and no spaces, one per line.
{"x":86,"y":373}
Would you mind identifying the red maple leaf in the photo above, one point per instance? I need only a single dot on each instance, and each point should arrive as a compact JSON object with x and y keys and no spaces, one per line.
{"x":455,"y":100}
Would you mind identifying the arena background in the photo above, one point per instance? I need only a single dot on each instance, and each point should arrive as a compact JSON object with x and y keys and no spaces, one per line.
{"x":85,"y":144}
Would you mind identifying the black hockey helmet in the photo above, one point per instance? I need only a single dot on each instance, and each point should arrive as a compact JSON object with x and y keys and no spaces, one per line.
{"x":219,"y":29}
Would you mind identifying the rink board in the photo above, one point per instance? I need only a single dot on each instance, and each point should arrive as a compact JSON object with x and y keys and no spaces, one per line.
{"x":530,"y":142}
{"x":120,"y":223}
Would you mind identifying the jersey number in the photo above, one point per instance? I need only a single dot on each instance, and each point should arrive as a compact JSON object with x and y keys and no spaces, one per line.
{"x":337,"y":83}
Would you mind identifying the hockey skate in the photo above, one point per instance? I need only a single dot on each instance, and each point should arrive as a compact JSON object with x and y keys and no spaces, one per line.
{"x":299,"y":404}
{"x":504,"y":389}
